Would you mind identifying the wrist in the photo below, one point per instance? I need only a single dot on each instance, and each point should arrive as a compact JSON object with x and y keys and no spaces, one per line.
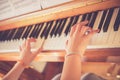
{"x":23,"y":64}
{"x":73,"y":54}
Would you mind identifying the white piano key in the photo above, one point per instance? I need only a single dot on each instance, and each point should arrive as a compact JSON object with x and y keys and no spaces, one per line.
{"x":54,"y":42}
{"x":112,"y":33}
{"x":14,"y":33}
{"x":49,"y":40}
{"x":110,"y":29}
{"x":80,"y":18}
{"x":57,"y":45}
{"x":116,"y":40}
{"x":63,"y":41}
{"x":23,"y":32}
{"x":91,"y":18}
{"x":102,"y":34}
{"x":67,"y":22}
{"x":31,"y":30}
{"x":95,"y":38}
{"x":41,"y":30}
{"x":38,"y":43}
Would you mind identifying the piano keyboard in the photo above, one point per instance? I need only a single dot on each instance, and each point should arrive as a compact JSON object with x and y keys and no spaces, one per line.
{"x":55,"y":32}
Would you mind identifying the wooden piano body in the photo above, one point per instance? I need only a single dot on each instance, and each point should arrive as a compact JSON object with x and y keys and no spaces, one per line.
{"x":95,"y":55}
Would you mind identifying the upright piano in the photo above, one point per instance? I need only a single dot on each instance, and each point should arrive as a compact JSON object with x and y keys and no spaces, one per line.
{"x":52,"y":26}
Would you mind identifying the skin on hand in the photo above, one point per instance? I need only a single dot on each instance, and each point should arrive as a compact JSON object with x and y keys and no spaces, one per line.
{"x":26,"y":55}
{"x":78,"y":40}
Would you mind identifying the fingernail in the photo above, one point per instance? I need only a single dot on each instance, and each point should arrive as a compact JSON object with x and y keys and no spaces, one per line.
{"x":98,"y":30}
{"x":28,"y":38}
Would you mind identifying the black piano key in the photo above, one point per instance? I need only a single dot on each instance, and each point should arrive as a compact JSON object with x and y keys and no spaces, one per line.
{"x":62,"y":26}
{"x":117,"y":21}
{"x":39,"y":30}
{"x":14,"y":34}
{"x":43,"y":32}
{"x":11,"y":34}
{"x":88,"y":16}
{"x":7,"y":37}
{"x":1,"y":35}
{"x":48,"y":29}
{"x":34,"y":30}
{"x":107,"y":21}
{"x":91,"y":23}
{"x":27,"y":31}
{"x":4,"y":36}
{"x":54,"y":28}
{"x":69,"y":25}
{"x":102,"y":19}
{"x":83,"y":17}
{"x":19,"y":33}
{"x":1,"y":32}
{"x":75,"y":20}
{"x":58,"y":27}
{"x":42,"y":29}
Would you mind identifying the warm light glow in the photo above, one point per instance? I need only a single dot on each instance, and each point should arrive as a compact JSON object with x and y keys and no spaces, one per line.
{"x":108,"y":74}
{"x":118,"y":76}
{"x":1,"y":75}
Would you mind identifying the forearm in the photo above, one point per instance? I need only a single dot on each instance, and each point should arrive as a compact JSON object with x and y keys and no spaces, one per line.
{"x":15,"y":72}
{"x":26,"y":57}
{"x":72,"y":68}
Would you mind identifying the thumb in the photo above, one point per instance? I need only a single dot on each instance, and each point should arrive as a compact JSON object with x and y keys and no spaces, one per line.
{"x":39,"y":49}
{"x":92,"y":33}
{"x":20,"y":48}
{"x":66,"y":42}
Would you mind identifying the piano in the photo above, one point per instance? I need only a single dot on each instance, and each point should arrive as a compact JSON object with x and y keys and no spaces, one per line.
{"x":54,"y":28}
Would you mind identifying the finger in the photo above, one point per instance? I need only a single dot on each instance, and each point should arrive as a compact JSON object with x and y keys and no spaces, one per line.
{"x":72,"y":30}
{"x":28,"y":42}
{"x":20,"y":48}
{"x":84,"y":29}
{"x":25,"y":42}
{"x":32,"y":39}
{"x":84,"y":23}
{"x":93,"y":32}
{"x":79,"y":26}
{"x":21,"y":52}
{"x":67,"y":42}
{"x":40,"y":49}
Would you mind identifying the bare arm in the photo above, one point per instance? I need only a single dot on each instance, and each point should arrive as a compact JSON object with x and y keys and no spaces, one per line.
{"x":15,"y":72}
{"x":75,"y":48}
{"x":26,"y":57}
